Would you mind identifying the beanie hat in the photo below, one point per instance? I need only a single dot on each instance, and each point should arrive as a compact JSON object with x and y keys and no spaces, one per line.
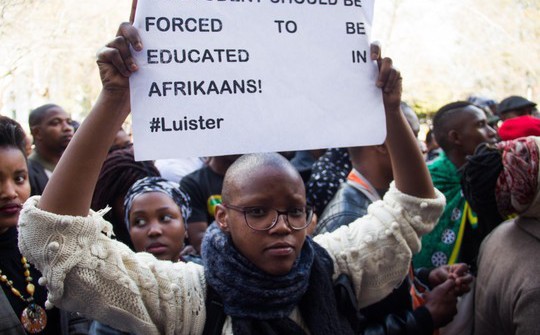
{"x":520,"y":126}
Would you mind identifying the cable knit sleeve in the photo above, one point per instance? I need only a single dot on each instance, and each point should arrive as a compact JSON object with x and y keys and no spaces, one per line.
{"x":376,"y":250}
{"x":87,"y":272}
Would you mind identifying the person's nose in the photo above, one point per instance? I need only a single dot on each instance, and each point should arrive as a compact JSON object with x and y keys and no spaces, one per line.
{"x":491,"y":132}
{"x":281,"y":226}
{"x":68,"y":127}
{"x":154,"y":229}
{"x":8,"y":191}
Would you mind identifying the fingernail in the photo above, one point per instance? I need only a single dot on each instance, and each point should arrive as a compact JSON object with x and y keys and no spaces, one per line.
{"x":138,"y":46}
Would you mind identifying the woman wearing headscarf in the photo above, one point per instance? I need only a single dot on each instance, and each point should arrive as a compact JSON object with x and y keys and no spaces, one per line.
{"x":156,"y":211}
{"x":507,"y":296}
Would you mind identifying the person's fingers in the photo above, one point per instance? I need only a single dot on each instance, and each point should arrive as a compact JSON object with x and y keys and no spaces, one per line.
{"x":131,"y":34}
{"x":375,"y":50}
{"x":122,"y":46}
{"x":464,"y":280}
{"x":460,"y":269}
{"x":393,"y":77}
{"x":113,"y":56}
{"x":447,"y":286}
{"x":385,"y":67}
{"x":133,"y":9}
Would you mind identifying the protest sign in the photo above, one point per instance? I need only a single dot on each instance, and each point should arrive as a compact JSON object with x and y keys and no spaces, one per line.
{"x":220,"y":77}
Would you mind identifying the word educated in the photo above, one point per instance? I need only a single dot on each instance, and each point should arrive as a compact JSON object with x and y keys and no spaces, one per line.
{"x":164,"y":56}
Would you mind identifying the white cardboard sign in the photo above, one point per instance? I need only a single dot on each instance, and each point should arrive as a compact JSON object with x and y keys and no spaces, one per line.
{"x":221,"y":77}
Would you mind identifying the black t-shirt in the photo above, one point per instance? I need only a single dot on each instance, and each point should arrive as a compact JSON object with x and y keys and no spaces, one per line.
{"x":204,"y":189}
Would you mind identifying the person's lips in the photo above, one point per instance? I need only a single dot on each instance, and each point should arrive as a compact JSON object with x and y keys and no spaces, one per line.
{"x":156,"y":248}
{"x":280,"y":249}
{"x":67,"y":138}
{"x":10,"y":209}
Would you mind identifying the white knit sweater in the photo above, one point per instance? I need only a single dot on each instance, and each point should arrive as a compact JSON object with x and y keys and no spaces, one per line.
{"x":86,"y":271}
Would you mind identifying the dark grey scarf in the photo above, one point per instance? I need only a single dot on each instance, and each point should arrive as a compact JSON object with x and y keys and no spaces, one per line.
{"x":259,"y":303}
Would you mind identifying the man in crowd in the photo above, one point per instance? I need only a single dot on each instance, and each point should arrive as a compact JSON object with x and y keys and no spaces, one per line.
{"x":52,"y":130}
{"x":459,"y":127}
{"x":368,"y":181}
{"x":514,"y":106}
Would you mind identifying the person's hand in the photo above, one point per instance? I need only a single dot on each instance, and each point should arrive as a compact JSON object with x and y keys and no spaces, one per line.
{"x":115,"y":61}
{"x":389,"y":80}
{"x":441,"y":303}
{"x":458,"y":272}
{"x":188,"y":250}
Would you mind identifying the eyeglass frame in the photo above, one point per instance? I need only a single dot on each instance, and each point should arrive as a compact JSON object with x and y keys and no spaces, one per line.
{"x":243,"y":210}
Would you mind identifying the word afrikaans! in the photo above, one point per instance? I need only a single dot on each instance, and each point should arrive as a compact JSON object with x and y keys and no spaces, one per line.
{"x":203,"y":87}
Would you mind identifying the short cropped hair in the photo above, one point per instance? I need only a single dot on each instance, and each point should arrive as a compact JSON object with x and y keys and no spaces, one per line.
{"x":38,"y":114}
{"x":443,"y":121}
{"x":244,"y":166}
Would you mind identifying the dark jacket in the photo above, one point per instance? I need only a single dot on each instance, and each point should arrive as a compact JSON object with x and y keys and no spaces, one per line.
{"x":394,"y":315}
{"x":38,"y":177}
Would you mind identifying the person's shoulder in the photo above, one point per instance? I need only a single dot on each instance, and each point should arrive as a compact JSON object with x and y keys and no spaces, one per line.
{"x":501,"y":232}
{"x":34,"y":164}
{"x":196,"y":176}
{"x":347,"y":205}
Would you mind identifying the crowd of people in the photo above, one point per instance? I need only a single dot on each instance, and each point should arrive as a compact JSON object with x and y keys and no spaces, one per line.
{"x":405,"y":237}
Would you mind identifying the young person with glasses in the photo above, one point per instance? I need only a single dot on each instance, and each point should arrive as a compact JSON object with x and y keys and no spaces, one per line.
{"x":269,"y":276}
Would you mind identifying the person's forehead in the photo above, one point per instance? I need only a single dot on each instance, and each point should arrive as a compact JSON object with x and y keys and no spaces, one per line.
{"x":472,"y":113}
{"x":12,"y":155}
{"x":151,"y":199}
{"x":258,"y":180}
{"x":55,"y":112}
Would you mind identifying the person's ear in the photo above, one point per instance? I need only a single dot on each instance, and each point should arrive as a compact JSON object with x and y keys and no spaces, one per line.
{"x":35,"y":131}
{"x":454,"y":137}
{"x":221,"y":218}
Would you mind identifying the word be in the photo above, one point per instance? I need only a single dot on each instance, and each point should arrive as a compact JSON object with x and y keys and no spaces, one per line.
{"x":159,"y":124}
{"x":355,"y":28}
{"x":205,"y":87}
{"x":182,"y":25}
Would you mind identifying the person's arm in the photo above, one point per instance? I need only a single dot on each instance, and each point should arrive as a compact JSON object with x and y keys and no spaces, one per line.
{"x":410,"y":171}
{"x":66,"y":192}
{"x":84,"y":270}
{"x":376,"y":250}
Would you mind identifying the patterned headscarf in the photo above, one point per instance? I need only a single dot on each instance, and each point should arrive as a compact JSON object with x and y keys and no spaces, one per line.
{"x":157,"y":184}
{"x":517,"y":184}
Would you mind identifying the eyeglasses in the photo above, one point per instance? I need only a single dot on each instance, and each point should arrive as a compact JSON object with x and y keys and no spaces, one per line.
{"x":265,"y":218}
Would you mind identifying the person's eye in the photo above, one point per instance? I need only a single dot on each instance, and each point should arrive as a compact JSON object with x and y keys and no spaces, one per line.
{"x":166,"y":218}
{"x":20,"y":179}
{"x":296,"y":212}
{"x":138,"y":222}
{"x":256,"y":211}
